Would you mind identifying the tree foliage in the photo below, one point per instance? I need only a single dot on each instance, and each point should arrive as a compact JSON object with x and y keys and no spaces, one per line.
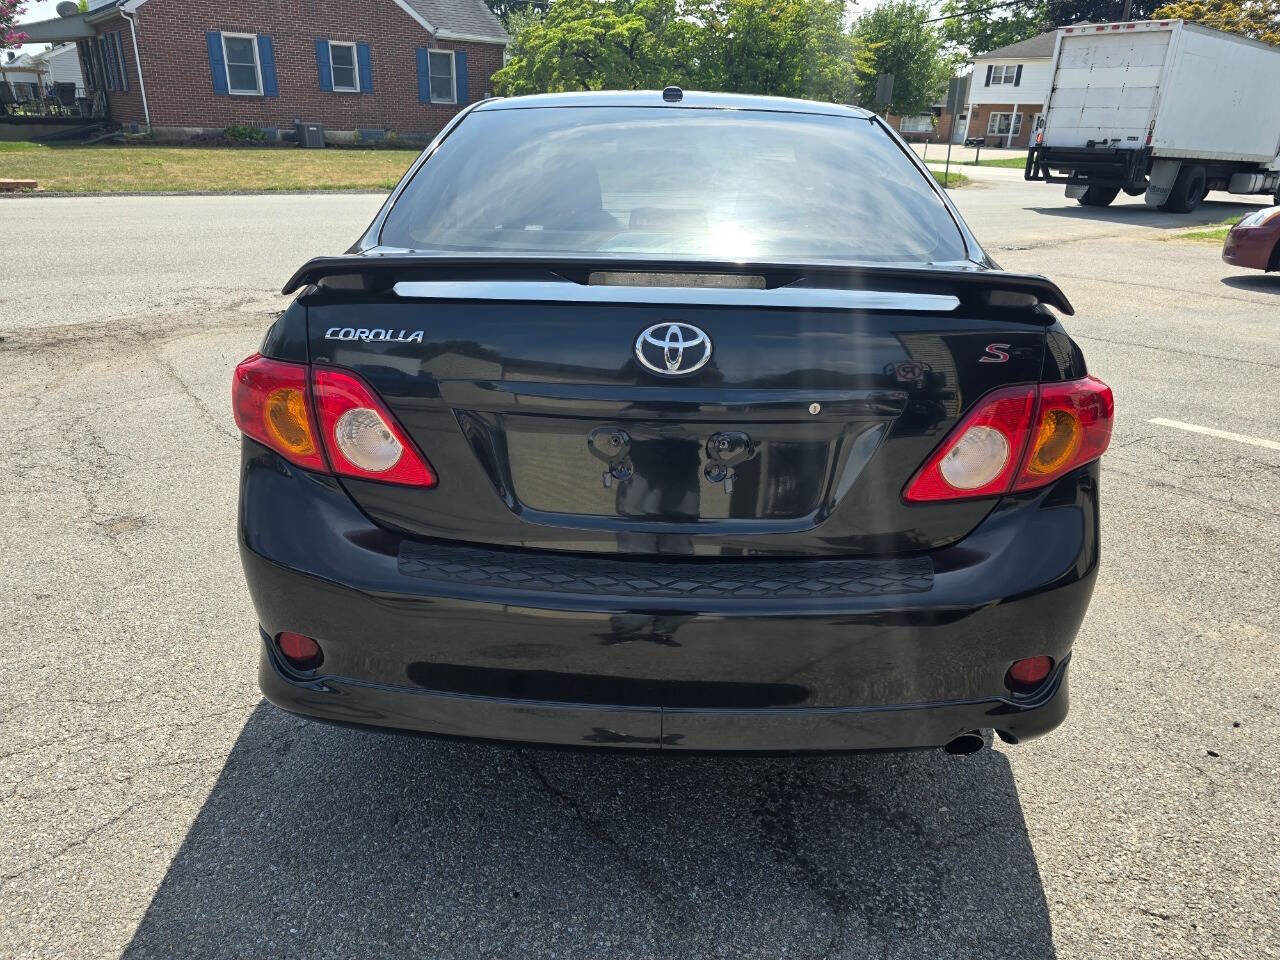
{"x":976,"y":33}
{"x":10,"y":11}
{"x":904,"y":44}
{"x":1258,"y":19}
{"x":598,"y":45}
{"x":506,"y":9}
{"x":795,"y":48}
{"x":787,"y":48}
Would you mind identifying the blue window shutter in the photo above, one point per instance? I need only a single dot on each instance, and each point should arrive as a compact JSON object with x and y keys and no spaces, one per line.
{"x":267,"y":57}
{"x":1017,"y":77}
{"x":124,"y":66}
{"x":460,"y":78}
{"x":988,"y":83}
{"x":366,"y":67}
{"x":217,"y":66}
{"x":324,"y":68}
{"x":424,"y":76}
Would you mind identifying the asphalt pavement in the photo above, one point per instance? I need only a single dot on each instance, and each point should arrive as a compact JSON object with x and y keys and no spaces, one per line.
{"x":154,"y":806}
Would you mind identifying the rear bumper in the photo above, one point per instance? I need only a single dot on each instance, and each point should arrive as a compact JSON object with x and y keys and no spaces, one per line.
{"x":756,"y":655}
{"x":1080,"y":166}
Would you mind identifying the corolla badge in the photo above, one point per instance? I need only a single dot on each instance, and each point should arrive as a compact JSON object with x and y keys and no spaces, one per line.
{"x":673,"y":349}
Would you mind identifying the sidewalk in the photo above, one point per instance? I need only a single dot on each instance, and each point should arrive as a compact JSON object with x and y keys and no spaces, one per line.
{"x":937,"y":153}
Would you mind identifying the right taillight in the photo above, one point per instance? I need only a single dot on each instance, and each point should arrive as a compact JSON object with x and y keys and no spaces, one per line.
{"x":1073,"y":427}
{"x":1018,"y":438}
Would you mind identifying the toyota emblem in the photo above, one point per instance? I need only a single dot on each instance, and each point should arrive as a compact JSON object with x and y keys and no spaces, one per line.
{"x":673,"y":349}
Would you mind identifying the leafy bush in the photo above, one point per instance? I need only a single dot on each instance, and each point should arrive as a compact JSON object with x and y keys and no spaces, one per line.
{"x":243,"y":133}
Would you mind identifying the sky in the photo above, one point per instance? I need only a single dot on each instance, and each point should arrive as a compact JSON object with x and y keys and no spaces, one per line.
{"x":37,"y":10}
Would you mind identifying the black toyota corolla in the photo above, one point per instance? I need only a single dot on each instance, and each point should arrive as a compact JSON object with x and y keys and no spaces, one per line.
{"x":671,"y":421}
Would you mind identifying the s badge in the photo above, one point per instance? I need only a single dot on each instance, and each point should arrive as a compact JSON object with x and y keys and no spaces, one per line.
{"x":996,"y":353}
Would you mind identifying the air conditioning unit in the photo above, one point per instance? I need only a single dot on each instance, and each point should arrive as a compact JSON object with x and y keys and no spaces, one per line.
{"x":309,"y":134}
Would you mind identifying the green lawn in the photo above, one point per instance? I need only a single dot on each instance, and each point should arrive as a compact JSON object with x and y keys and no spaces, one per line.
{"x":145,"y":169}
{"x":955,"y":179}
{"x":1017,"y":163}
{"x":1207,"y":234}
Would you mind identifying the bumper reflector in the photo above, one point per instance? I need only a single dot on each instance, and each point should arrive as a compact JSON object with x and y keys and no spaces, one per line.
{"x":303,"y":653}
{"x":1026,"y":675}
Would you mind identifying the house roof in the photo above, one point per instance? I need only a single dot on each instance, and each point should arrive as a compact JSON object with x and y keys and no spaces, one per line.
{"x":1034,"y":48}
{"x":458,"y":19}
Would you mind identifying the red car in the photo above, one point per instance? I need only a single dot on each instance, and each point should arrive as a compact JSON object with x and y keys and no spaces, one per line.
{"x":1255,"y":241}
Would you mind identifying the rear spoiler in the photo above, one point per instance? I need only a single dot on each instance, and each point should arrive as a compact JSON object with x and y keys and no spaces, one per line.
{"x":975,"y":287}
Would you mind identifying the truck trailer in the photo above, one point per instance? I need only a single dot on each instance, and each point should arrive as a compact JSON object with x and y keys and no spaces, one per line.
{"x":1164,"y":109}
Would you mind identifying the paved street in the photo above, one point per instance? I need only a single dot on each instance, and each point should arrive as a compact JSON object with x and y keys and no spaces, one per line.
{"x":153,"y":806}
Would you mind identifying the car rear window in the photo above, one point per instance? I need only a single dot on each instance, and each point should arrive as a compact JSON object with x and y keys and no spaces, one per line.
{"x":737,"y":184}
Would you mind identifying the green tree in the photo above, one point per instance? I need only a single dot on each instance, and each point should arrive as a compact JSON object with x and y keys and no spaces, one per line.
{"x":599,"y":45}
{"x":973,"y":28}
{"x":978,"y":33}
{"x":1259,"y":19}
{"x":787,"y":48}
{"x":904,"y":44}
{"x":508,"y":9}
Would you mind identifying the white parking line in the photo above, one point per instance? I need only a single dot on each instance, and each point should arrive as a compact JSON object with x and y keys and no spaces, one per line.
{"x":1210,"y":432}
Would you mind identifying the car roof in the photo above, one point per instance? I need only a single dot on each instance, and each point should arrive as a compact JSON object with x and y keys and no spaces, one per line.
{"x":690,"y":99}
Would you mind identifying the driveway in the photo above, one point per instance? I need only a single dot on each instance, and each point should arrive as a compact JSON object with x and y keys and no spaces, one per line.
{"x":155,"y":807}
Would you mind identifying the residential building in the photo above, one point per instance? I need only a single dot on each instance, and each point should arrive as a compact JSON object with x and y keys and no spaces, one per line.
{"x":30,"y":76}
{"x":935,"y":126}
{"x":1007,"y":90}
{"x":358,"y":67}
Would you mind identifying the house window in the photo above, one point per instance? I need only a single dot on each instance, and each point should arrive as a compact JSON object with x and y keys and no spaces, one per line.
{"x":110,"y":54}
{"x":1003,"y":124}
{"x":342,"y":59}
{"x":443,"y":87}
{"x":244,"y":74}
{"x":1004,"y":74}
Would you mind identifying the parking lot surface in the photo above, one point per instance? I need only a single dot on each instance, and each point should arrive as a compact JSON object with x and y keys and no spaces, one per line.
{"x":154,"y":806}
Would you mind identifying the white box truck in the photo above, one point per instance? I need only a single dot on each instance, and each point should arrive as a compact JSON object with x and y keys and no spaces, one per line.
{"x":1164,"y":108}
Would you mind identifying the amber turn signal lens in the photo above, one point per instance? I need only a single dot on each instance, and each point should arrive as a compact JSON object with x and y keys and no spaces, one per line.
{"x":285,"y":417}
{"x":1056,"y":444}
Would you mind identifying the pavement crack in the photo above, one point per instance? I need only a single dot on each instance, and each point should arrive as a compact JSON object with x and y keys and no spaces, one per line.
{"x":651,"y":886}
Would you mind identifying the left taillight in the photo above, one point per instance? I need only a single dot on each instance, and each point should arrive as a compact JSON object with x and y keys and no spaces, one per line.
{"x":272,"y":405}
{"x":325,"y":420}
{"x":1018,"y":438}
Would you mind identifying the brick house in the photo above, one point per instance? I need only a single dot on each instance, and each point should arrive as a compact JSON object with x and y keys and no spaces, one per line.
{"x":1007,"y":91}
{"x":358,"y":67}
{"x":932,"y":127}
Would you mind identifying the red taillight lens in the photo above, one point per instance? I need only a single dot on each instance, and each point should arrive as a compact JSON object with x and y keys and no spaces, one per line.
{"x":980,"y":457}
{"x":995,"y":450}
{"x":269,"y":399}
{"x":1073,"y":427}
{"x":361,"y":436}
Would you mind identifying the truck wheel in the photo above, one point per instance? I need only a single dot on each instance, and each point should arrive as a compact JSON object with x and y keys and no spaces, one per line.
{"x":1098,"y":196}
{"x":1188,"y":190}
